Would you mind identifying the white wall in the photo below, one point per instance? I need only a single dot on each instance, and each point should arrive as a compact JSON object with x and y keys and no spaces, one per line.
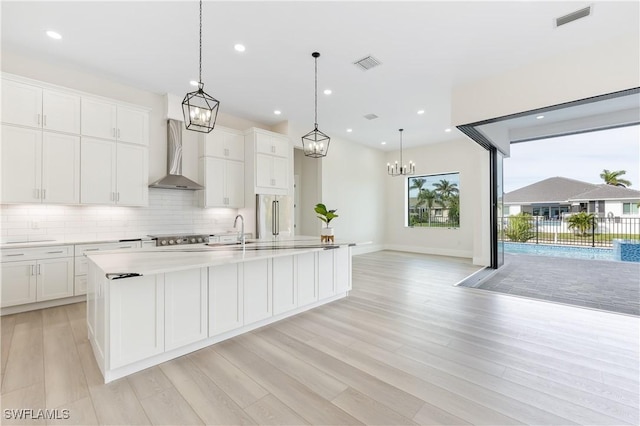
{"x":169,"y":211}
{"x":308,"y":171}
{"x":463,"y":156}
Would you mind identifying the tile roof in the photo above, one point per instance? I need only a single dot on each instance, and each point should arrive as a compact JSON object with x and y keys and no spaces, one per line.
{"x":561,"y":190}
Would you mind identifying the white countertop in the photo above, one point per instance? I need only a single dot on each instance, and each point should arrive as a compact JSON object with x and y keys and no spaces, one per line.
{"x":48,"y":243}
{"x":157,"y":260}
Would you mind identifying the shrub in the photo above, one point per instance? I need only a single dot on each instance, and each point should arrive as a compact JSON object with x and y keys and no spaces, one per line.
{"x":520,"y":228}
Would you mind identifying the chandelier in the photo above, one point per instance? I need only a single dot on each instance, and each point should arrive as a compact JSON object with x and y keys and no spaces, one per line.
{"x":401,"y":169}
{"x":199,"y":109}
{"x":315,"y":143}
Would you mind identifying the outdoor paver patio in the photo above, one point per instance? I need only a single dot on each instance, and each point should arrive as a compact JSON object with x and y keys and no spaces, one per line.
{"x":610,"y":286}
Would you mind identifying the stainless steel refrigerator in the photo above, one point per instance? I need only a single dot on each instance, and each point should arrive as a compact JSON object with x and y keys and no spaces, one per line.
{"x":274,"y":216}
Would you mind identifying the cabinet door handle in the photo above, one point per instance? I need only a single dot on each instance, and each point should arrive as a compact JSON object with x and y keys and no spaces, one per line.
{"x":125,"y":247}
{"x":33,"y":270}
{"x":44,"y":120}
{"x":17,"y":254}
{"x":55,"y":252}
{"x":44,"y":194}
{"x":39,"y":269}
{"x":93,"y":249}
{"x":117,"y":196}
{"x":118,"y":133}
{"x":38,"y":119}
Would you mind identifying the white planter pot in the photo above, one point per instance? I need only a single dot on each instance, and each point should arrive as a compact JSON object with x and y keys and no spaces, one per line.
{"x":326,"y":232}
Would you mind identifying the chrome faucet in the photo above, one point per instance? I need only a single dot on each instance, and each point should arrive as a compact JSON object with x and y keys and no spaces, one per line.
{"x":241,"y":239}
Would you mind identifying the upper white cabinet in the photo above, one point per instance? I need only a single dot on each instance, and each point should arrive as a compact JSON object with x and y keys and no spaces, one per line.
{"x":32,"y":106}
{"x":223,"y":143}
{"x":113,"y":173}
{"x":268,"y":163}
{"x":223,"y":181}
{"x":39,"y":167}
{"x":109,"y":120}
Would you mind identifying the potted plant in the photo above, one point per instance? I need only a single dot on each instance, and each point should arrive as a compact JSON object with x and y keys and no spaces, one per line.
{"x":326,"y":216}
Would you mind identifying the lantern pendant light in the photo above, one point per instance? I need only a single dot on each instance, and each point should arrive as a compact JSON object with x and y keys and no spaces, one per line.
{"x":315,"y":143}
{"x":401,"y":169}
{"x":199,"y":109}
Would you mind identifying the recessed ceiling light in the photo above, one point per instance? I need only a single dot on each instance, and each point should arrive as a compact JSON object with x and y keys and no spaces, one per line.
{"x":349,"y":130}
{"x":421,"y":112}
{"x":327,"y":91}
{"x":383,"y":143}
{"x":193,"y":83}
{"x":239,"y":47}
{"x":447,"y":130}
{"x":539,"y":117}
{"x":54,"y":35}
{"x":277,"y":112}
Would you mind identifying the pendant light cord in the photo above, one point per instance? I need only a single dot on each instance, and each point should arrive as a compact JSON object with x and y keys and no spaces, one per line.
{"x":401,"y":149}
{"x":200,"y":75}
{"x":316,"y":93}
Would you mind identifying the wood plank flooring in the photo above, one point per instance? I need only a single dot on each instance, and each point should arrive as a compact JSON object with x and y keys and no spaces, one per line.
{"x":406,"y":347}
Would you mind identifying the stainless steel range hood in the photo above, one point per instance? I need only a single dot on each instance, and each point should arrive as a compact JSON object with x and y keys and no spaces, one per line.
{"x":174,"y":178}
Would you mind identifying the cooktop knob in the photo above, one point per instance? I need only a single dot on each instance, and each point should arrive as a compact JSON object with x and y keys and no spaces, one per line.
{"x":193,"y":240}
{"x":199,"y":240}
{"x":178,"y":241}
{"x":171,"y":241}
{"x":163,"y":242}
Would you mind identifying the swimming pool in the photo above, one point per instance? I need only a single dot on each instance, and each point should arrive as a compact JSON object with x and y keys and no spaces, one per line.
{"x":560,"y":251}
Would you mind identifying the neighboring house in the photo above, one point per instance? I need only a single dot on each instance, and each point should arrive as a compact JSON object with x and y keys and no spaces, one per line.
{"x":553,"y":197}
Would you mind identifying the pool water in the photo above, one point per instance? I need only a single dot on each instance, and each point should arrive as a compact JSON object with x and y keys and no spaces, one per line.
{"x":560,"y":251}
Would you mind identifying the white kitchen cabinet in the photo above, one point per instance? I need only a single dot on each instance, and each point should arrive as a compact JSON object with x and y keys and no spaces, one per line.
{"x":223,"y":181}
{"x":268,"y":162}
{"x":185,"y":307}
{"x":257,"y":291}
{"x":36,"y":274}
{"x":285,"y":295}
{"x":225,"y":298}
{"x":136,"y":318}
{"x":80,"y":261}
{"x":31,"y":105}
{"x":223,"y":143}
{"x":39,"y":167}
{"x":18,"y":283}
{"x":113,"y":173}
{"x":55,"y":278}
{"x":326,"y":285}
{"x":108,"y":120}
{"x":306,"y":278}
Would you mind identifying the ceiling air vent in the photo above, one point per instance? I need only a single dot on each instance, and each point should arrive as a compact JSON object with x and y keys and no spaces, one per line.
{"x":367,"y":63}
{"x":370,"y":116}
{"x":573,"y":16}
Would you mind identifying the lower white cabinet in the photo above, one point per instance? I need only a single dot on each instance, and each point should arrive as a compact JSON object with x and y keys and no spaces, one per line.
{"x":257,"y":291}
{"x":37,"y":279}
{"x":326,"y":285}
{"x":136,"y":328}
{"x":342,"y":262}
{"x":285,"y":297}
{"x":185,"y":307}
{"x":306,"y":278}
{"x":18,"y":283}
{"x":225,"y":298}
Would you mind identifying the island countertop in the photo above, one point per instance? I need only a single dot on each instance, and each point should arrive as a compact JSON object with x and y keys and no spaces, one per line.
{"x":157,"y":260}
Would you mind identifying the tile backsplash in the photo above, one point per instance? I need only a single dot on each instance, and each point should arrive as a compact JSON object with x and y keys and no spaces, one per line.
{"x":169,"y":211}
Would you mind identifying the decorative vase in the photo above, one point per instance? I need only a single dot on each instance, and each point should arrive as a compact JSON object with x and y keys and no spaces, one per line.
{"x":326,"y":235}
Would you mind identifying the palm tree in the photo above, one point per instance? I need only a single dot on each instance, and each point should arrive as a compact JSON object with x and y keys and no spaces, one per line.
{"x":446,"y":189}
{"x":427,"y":197}
{"x":613,"y":178}
{"x":582,"y":222}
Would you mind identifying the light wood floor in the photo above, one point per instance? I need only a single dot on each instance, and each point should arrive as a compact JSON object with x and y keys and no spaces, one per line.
{"x":405,"y":347}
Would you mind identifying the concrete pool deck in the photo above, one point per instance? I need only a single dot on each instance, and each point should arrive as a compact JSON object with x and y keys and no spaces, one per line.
{"x":606,"y":285}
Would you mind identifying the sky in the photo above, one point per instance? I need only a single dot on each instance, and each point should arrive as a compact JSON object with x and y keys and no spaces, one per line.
{"x":581,"y":157}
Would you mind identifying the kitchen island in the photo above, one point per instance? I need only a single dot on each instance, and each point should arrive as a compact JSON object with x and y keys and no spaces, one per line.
{"x":148,"y":306}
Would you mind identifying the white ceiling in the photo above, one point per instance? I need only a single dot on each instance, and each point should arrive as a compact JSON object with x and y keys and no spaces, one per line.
{"x":426,"y":48}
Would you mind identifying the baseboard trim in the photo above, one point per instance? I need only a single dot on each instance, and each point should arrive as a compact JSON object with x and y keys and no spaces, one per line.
{"x":41,"y":305}
{"x":430,"y":250}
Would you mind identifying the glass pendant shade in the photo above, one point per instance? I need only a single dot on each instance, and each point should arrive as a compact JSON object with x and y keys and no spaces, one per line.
{"x":200,"y":110}
{"x":401,"y":169}
{"x":315,"y":144}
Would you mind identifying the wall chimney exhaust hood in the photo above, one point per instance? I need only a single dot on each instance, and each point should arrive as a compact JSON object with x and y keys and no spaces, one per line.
{"x":174,"y":178}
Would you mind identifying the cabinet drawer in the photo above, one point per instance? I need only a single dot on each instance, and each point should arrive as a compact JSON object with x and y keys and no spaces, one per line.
{"x":82,"y":249}
{"x":36,"y":253}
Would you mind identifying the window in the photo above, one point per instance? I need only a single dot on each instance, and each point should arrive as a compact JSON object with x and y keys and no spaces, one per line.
{"x":434,"y":201}
{"x":505,"y":210}
{"x":629,"y":208}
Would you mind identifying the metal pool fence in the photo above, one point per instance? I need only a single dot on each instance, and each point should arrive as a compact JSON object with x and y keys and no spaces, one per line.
{"x":596,"y":232}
